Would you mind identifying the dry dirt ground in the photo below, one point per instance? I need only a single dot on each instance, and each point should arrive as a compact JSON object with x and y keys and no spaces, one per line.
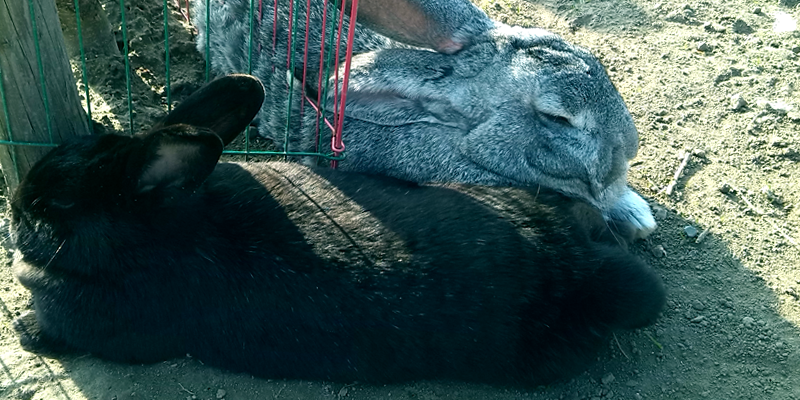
{"x":713,"y":83}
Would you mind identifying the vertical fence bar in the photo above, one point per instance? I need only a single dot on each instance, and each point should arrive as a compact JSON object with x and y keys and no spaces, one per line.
{"x":290,"y":69}
{"x":166,"y":56}
{"x":83,"y":66}
{"x":305,"y":59}
{"x":10,"y":137}
{"x":41,"y":70}
{"x":336,"y":143}
{"x":274,"y":31}
{"x":127,"y":62}
{"x":322,"y":72}
{"x":252,"y":18}
{"x":208,"y":41}
{"x":336,"y":98}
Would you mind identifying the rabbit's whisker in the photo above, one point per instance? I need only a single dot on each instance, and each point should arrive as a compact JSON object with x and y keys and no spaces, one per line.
{"x":58,"y":250}
{"x":619,"y":242}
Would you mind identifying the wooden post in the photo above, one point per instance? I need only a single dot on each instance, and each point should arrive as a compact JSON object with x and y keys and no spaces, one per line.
{"x":29,"y":119}
{"x":98,"y":38}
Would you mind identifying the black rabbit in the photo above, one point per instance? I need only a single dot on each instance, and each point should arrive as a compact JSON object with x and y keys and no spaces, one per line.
{"x":140,"y":249}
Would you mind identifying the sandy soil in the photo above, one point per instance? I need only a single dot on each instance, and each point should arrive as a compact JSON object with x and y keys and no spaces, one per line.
{"x":712,"y":83}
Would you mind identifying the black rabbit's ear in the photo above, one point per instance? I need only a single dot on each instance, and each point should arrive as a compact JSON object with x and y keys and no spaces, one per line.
{"x":225,"y":105}
{"x":175,"y":157}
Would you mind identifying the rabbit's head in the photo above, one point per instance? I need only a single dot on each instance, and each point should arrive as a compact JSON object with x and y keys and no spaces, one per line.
{"x":65,"y":204}
{"x":518,"y":107}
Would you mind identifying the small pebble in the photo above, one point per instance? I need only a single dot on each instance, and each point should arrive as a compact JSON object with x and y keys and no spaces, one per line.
{"x":607,"y":378}
{"x":722,"y":77}
{"x":741,"y":27}
{"x":690,"y":231}
{"x":747,"y":321}
{"x":698,"y":319}
{"x":677,"y":16}
{"x":712,"y":27}
{"x":698,"y":305}
{"x":573,"y":396}
{"x":778,"y":107}
{"x":221,"y":393}
{"x":703,"y":46}
{"x":660,"y":213}
{"x":727,"y":304}
{"x":757,"y":10}
{"x":658,"y":251}
{"x":738,"y":102}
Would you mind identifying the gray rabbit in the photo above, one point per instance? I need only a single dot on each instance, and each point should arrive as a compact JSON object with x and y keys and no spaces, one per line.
{"x":510,"y":106}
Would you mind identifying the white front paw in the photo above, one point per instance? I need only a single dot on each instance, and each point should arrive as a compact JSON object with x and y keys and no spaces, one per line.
{"x":633,"y":209}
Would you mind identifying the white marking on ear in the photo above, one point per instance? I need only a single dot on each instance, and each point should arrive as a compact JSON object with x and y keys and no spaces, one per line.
{"x":170,"y":166}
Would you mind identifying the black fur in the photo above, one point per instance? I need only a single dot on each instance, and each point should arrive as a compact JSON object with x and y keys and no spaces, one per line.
{"x":284,"y":272}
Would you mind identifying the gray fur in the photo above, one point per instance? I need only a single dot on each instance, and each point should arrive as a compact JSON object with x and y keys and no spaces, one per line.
{"x":515,"y":107}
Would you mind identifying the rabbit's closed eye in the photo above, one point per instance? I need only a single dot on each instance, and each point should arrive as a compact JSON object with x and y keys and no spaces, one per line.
{"x":555,"y":119}
{"x":62,"y":204}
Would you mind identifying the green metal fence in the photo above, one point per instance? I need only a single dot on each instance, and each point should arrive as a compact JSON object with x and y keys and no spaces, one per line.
{"x":330,"y":154}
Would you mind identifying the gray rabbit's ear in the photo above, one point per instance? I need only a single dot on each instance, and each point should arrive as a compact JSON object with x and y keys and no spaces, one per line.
{"x":394,"y":87}
{"x":446,"y":26}
{"x":176,"y":157}
{"x":391,"y":108}
{"x":225,"y":105}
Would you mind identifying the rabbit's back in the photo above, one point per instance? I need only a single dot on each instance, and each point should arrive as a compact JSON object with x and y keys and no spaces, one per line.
{"x":426,"y":272}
